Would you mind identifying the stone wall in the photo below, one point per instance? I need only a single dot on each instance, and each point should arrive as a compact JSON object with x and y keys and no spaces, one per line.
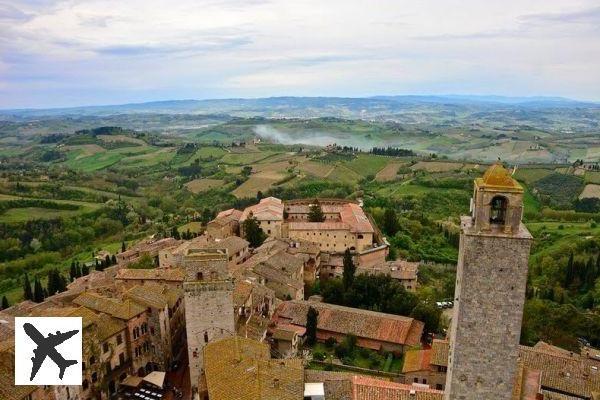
{"x":490,"y":293}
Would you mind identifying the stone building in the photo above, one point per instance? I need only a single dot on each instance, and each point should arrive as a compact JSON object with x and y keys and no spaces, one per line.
{"x":269,"y":214}
{"x":403,"y":271}
{"x":8,"y":389}
{"x":427,"y":366}
{"x":127,"y":278}
{"x":227,"y":223}
{"x":208,"y":294}
{"x":490,"y":291}
{"x":373,"y":330}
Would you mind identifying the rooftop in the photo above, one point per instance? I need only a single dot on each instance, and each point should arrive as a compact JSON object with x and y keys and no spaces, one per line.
{"x":241,"y":369}
{"x":417,"y":360}
{"x":154,"y":295}
{"x":268,"y":209}
{"x":497,"y":177}
{"x":364,"y":388}
{"x":162,"y":274}
{"x":344,"y":320}
{"x":124,"y":310}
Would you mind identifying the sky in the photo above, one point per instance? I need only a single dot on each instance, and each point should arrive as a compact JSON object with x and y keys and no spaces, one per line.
{"x":72,"y":53}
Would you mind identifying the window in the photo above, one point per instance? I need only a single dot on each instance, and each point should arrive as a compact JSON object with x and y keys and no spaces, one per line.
{"x":498,"y":207}
{"x":119,"y":339}
{"x":424,"y":381}
{"x":416,"y":380}
{"x":94,"y":377}
{"x":105,"y":347}
{"x":84,"y":384}
{"x":121,"y":358}
{"x":205,"y":337}
{"x":199,"y":276}
{"x":439,"y":386}
{"x":360,"y":236}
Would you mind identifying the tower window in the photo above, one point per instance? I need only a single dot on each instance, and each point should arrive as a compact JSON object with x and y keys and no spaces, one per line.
{"x":498,"y":210}
{"x":199,"y":276}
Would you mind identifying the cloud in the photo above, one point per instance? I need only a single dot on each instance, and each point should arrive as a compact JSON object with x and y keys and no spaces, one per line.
{"x":56,"y":52}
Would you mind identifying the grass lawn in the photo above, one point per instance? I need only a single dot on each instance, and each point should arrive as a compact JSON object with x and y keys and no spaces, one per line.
{"x":529,"y":175}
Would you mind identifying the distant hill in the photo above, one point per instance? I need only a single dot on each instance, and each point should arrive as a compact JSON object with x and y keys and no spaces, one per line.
{"x":348,"y":107}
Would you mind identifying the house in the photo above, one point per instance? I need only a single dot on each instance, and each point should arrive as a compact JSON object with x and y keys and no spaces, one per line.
{"x":128,"y":278}
{"x":236,"y":247}
{"x":269,"y":215}
{"x":403,"y":271}
{"x":150,"y":248}
{"x":373,"y":330}
{"x":281,"y":272}
{"x":141,"y":345}
{"x":285,"y":342}
{"x":242,"y":369}
{"x":308,"y":252}
{"x":226,"y":224}
{"x":166,"y":319}
{"x":419,"y":366}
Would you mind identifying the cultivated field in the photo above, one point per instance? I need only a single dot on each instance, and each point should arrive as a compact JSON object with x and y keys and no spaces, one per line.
{"x":389,"y":172}
{"x":590,"y":191}
{"x":202,"y":185}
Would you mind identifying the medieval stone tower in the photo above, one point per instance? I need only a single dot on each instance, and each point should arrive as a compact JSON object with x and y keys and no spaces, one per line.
{"x":490,"y":291}
{"x":208,"y":294}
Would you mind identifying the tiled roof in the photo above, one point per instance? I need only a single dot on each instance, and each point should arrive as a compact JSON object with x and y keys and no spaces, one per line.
{"x":232,"y":212}
{"x":338,"y":385}
{"x":277,"y":275}
{"x":417,"y":360}
{"x":154,"y":295}
{"x":364,"y":388}
{"x":439,"y":352}
{"x":124,"y":310}
{"x":233,"y":244}
{"x":241,"y":369}
{"x":161,"y":274}
{"x":352,"y":218}
{"x":268,"y":209}
{"x":399,"y":269}
{"x":344,"y":320}
{"x":572,"y":375}
{"x":8,"y":389}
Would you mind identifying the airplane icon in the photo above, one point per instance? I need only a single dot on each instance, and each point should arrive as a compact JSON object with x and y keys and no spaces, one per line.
{"x":46,"y":347}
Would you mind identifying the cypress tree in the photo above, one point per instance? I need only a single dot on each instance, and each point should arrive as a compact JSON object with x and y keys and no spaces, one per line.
{"x":73,"y":271}
{"x":349,"y":270}
{"x":38,"y":291}
{"x":27,"y":292}
{"x":311,"y":325}
{"x":390,"y":222}
{"x":85,"y":270}
{"x":51,"y":282}
{"x":107,"y":261}
{"x":123,"y":246}
{"x":96,"y":265}
{"x":253,"y":232}
{"x":570,"y":273}
{"x":5,"y":304}
{"x":113,"y":260}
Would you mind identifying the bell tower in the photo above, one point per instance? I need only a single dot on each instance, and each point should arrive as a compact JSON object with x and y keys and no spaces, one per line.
{"x":491,"y":279}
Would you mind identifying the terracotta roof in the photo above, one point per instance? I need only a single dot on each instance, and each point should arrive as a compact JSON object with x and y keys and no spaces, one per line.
{"x":8,"y":389}
{"x":571,"y":375}
{"x":154,"y":295}
{"x":124,"y":310}
{"x":439,"y":352}
{"x":233,"y":244}
{"x":364,"y":324}
{"x":417,"y":360}
{"x":338,"y":385}
{"x":399,"y":269}
{"x":268,"y":209}
{"x":241,"y":369}
{"x":232,"y":212}
{"x":160,"y":274}
{"x":364,"y":388}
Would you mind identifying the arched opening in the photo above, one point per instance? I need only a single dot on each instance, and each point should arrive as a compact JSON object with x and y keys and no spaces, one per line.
{"x":199,"y":276}
{"x":498,"y":207}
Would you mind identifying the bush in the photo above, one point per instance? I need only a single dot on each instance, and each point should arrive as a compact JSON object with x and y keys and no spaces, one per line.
{"x":319,"y":356}
{"x":330,"y":342}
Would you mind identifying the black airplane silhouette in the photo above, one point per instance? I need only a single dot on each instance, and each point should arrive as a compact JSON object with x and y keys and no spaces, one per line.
{"x":46,"y":347}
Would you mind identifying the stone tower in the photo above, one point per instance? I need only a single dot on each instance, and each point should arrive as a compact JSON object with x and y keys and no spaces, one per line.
{"x":490,"y":291}
{"x":209,"y":310}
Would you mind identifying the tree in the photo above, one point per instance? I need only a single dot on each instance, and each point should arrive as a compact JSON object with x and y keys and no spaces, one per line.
{"x":429,"y":314}
{"x":259,"y":195}
{"x":73,"y":271}
{"x":175,"y":233}
{"x":5,"y":304}
{"x":38,"y":291}
{"x":253,"y":232}
{"x":113,"y":260}
{"x":123,"y":246}
{"x":311,"y":326}
{"x":107,"y":261}
{"x":316,"y":212}
{"x":390,"y":222}
{"x":570,"y":273}
{"x":85,"y":270}
{"x":27,"y":292}
{"x":97,"y":265}
{"x":349,"y":270}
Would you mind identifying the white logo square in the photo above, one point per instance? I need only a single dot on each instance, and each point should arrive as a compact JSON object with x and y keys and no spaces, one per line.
{"x":48,"y":350}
